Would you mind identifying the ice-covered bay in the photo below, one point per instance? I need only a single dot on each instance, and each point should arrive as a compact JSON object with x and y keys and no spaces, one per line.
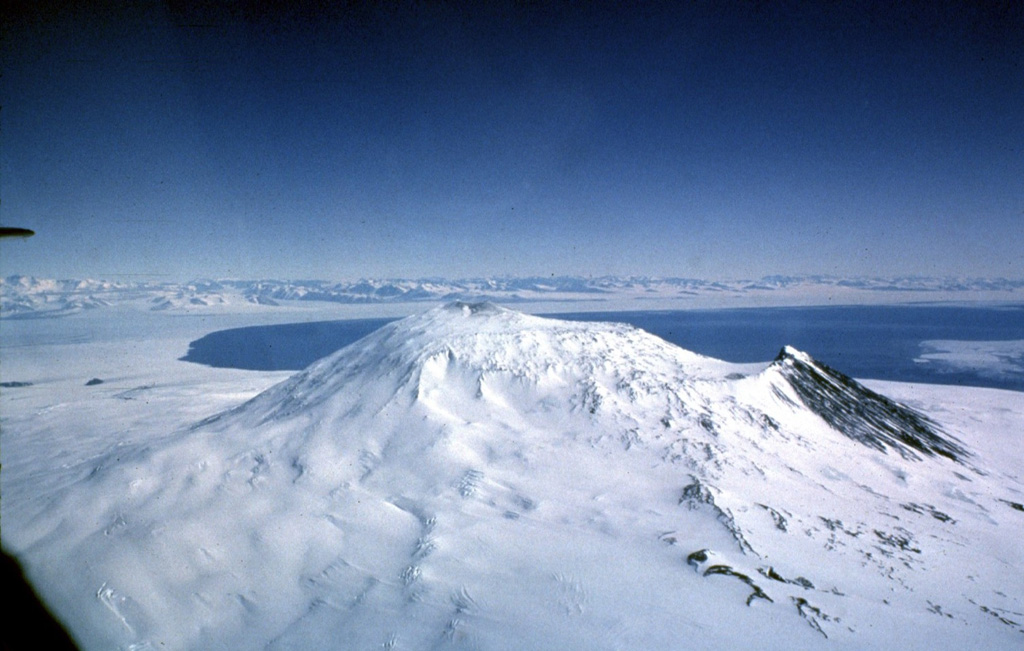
{"x":478,"y":478}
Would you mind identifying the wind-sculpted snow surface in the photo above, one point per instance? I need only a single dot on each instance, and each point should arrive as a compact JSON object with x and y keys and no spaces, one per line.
{"x":474,"y":477}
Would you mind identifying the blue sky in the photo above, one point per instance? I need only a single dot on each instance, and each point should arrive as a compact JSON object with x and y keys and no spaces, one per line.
{"x":720,"y":140}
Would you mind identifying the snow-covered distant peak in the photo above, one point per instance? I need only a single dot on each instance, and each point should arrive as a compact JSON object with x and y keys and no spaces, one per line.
{"x":23,"y":296}
{"x":485,"y":344}
{"x":466,"y":362}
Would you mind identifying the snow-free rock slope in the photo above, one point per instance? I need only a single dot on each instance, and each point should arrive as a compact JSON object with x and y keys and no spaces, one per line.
{"x":476,"y":477}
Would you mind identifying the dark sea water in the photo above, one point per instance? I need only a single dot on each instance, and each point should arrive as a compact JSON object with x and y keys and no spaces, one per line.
{"x":864,"y":342}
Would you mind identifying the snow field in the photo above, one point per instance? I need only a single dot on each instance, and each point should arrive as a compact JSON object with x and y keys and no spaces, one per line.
{"x":473,"y":477}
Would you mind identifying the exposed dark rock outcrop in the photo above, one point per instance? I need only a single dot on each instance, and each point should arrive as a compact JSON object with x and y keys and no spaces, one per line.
{"x":725,"y":570}
{"x":698,"y":495}
{"x":861,"y":414}
{"x":1013,"y":505}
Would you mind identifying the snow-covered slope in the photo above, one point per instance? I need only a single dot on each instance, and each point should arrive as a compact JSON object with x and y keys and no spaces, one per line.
{"x":476,"y":477}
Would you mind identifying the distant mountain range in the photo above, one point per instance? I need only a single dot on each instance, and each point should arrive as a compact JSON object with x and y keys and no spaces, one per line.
{"x":26,"y":296}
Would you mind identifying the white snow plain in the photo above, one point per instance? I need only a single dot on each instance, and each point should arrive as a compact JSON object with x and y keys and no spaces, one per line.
{"x":474,"y":477}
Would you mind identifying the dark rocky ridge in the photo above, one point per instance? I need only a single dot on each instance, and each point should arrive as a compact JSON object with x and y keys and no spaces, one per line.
{"x":861,"y":414}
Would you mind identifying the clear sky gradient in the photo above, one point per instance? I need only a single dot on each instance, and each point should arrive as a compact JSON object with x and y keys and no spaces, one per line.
{"x":719,"y":140}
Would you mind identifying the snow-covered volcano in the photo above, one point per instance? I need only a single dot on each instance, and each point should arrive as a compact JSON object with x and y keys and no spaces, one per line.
{"x":476,"y":477}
